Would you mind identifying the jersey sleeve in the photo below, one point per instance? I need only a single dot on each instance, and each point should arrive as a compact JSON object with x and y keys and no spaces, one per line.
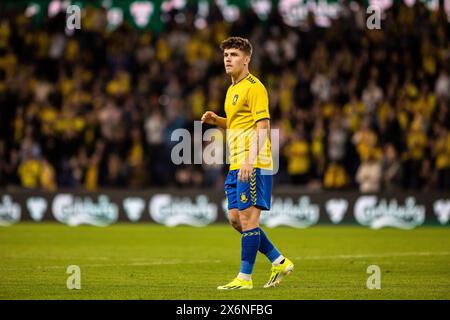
{"x":258,"y":101}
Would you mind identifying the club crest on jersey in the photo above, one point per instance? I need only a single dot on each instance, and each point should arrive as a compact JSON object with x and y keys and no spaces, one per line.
{"x":244,"y":198}
{"x":235,"y":99}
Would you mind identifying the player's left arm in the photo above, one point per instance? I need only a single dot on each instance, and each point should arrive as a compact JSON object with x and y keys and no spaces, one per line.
{"x":258,"y":102}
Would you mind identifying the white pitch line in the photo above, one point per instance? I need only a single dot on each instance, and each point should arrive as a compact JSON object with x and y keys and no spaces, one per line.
{"x":173,"y":262}
{"x":385,"y":255}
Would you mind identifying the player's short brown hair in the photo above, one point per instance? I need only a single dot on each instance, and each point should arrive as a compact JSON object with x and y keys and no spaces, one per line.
{"x":237,"y":43}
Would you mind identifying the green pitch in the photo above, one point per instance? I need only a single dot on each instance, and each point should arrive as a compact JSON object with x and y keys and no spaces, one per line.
{"x":148,"y":261}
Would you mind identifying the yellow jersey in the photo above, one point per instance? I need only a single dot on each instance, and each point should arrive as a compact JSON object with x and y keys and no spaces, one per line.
{"x":246,"y":103}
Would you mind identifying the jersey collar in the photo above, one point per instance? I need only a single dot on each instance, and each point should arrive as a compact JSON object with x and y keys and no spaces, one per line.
{"x":241,"y":79}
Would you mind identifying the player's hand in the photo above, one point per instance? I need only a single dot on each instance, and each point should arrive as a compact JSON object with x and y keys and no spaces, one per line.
{"x":245,"y":172}
{"x":209,"y":117}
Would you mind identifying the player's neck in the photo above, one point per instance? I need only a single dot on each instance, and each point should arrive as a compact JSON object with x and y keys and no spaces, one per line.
{"x":236,"y":78}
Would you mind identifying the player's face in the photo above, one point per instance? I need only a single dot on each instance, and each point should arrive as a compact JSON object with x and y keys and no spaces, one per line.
{"x":234,"y":61}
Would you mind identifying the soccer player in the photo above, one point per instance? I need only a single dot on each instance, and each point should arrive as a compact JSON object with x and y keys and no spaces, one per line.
{"x":248,"y":186}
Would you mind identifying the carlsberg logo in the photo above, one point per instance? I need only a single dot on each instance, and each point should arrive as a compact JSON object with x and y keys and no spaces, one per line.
{"x":75,"y":210}
{"x":285,"y":212}
{"x":172,"y":211}
{"x":369,"y":212}
{"x":9,"y":211}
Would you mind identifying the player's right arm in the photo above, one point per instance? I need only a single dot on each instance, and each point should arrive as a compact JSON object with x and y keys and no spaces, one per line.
{"x":210,"y":117}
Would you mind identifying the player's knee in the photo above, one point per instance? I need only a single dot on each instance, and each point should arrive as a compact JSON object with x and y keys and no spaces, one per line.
{"x":249,"y":218}
{"x":245,"y":223}
{"x":234,"y":220}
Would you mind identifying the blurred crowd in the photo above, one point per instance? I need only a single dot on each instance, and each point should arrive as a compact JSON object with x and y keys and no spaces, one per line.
{"x":356,"y":108}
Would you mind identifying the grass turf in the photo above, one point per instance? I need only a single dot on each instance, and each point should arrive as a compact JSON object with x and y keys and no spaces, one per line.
{"x":148,"y":261}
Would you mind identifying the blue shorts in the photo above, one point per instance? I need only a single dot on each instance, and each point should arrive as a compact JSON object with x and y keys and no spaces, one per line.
{"x":257,"y":191}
